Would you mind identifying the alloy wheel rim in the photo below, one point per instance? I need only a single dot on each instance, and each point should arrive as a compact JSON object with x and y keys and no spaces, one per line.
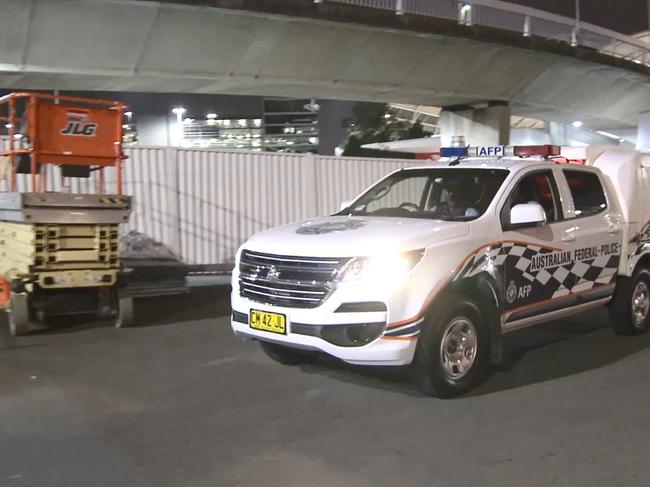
{"x":640,"y":303}
{"x":458,"y":348}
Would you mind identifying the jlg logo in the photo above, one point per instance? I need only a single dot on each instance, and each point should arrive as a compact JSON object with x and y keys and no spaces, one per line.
{"x":79,"y":124}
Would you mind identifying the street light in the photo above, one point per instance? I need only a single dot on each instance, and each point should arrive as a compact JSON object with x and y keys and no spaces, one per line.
{"x":577,"y":124}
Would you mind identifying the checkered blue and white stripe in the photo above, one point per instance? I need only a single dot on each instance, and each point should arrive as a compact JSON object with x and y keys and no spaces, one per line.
{"x":561,"y":280}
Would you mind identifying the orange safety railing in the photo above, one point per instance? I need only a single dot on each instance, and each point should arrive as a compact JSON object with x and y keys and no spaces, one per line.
{"x":66,"y":131}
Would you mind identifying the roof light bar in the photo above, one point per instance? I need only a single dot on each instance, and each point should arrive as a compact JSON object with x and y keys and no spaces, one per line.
{"x":501,"y":151}
{"x":454,"y":151}
{"x":537,"y":150}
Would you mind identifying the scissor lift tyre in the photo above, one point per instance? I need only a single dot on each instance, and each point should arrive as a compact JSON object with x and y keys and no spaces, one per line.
{"x":19,"y":322}
{"x":125,"y":313}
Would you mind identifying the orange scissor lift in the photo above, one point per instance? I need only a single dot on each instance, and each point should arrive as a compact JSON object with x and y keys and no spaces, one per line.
{"x":59,"y":250}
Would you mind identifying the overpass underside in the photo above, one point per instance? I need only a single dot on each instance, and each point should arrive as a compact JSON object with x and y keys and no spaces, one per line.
{"x":301,"y":49}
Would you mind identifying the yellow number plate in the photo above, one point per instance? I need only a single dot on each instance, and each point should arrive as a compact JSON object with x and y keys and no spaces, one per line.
{"x":273,"y":322}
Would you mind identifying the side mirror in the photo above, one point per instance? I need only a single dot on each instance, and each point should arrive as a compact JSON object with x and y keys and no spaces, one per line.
{"x":345,"y":205}
{"x":527,"y":215}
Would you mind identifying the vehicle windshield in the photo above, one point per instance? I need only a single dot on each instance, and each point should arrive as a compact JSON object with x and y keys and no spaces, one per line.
{"x":444,"y":194}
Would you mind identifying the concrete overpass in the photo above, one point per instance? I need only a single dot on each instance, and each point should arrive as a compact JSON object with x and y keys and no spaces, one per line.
{"x":306,"y":49}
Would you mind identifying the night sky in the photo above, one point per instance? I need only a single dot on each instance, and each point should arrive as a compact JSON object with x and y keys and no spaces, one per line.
{"x":627,"y":16}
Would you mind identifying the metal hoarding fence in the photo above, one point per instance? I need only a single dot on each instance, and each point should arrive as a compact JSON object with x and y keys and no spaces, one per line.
{"x":203,"y":204}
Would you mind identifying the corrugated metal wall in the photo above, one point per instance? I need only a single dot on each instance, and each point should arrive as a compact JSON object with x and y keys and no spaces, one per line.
{"x":222,"y":198}
{"x":204,"y":204}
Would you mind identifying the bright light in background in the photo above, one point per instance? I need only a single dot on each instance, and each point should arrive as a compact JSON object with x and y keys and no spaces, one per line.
{"x":178,"y":133}
{"x":577,"y":124}
{"x":128,"y":115}
{"x":465,"y":14}
{"x":386,"y":115}
{"x":188,"y":120}
{"x":8,"y":125}
{"x":211,"y":116}
{"x":610,"y":135}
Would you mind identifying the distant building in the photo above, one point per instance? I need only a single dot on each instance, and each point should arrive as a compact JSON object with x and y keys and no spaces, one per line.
{"x":231,"y":122}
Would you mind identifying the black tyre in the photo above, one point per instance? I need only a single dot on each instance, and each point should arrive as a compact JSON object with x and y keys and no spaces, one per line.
{"x":285,"y":355}
{"x":452,"y":355}
{"x":19,"y":315}
{"x":630,"y":311}
{"x":125,"y":313}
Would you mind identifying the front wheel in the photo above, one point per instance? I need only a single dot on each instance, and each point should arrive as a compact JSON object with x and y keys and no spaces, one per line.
{"x":630,"y":312}
{"x":452,"y":355}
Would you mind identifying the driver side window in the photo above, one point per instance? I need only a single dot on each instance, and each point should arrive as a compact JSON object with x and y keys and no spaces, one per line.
{"x":538,"y":187}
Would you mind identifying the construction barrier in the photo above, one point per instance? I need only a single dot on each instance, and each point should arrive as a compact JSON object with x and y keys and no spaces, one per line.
{"x":203,"y":204}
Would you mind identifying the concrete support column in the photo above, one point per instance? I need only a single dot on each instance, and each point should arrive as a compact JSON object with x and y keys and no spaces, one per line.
{"x":643,"y":132}
{"x":481,"y":124}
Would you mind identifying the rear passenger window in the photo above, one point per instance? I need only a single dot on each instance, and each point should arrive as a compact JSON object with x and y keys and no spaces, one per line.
{"x":586,"y":191}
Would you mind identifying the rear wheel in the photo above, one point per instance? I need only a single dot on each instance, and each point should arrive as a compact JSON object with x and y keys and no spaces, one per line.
{"x":285,"y":355}
{"x":630,"y":312}
{"x":19,"y":315}
{"x":452,"y":356}
{"x":124,"y":313}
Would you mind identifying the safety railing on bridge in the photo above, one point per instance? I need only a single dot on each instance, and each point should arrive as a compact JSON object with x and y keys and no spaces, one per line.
{"x":525,"y":20}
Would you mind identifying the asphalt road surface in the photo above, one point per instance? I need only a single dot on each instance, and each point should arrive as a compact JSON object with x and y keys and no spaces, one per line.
{"x":182,"y":402}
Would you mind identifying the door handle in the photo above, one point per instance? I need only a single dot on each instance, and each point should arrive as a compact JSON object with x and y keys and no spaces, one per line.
{"x":571,"y":237}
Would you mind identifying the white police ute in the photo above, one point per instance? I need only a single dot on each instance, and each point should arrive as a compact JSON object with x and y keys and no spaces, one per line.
{"x":434,"y":264}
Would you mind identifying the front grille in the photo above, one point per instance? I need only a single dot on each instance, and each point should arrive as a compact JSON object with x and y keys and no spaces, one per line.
{"x":283,"y":280}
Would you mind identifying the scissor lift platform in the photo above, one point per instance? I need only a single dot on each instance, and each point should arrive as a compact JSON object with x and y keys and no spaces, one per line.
{"x":59,"y":251}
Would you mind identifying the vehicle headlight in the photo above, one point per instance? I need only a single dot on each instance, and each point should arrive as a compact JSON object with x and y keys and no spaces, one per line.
{"x":389,"y":268}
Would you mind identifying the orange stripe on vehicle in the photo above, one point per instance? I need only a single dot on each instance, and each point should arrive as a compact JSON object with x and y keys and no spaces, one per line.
{"x":546,"y":301}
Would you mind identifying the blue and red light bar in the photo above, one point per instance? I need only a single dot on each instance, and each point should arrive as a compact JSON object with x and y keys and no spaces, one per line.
{"x":501,"y":151}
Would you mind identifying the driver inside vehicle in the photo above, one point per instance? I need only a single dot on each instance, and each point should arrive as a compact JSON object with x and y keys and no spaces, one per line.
{"x":458,"y":202}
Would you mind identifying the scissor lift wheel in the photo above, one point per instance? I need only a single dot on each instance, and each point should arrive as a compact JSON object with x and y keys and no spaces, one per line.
{"x":19,"y":322}
{"x":125,"y":313}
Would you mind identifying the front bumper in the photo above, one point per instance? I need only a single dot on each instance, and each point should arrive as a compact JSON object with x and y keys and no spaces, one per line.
{"x":384,"y":350}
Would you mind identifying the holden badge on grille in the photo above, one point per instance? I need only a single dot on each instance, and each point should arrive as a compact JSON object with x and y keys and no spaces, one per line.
{"x":272,"y":273}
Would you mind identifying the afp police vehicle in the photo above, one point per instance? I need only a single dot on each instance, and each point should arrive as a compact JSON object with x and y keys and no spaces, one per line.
{"x":432,"y":265}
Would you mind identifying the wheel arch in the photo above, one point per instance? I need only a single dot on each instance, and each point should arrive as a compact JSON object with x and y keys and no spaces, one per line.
{"x":484,"y":292}
{"x":643,"y":263}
